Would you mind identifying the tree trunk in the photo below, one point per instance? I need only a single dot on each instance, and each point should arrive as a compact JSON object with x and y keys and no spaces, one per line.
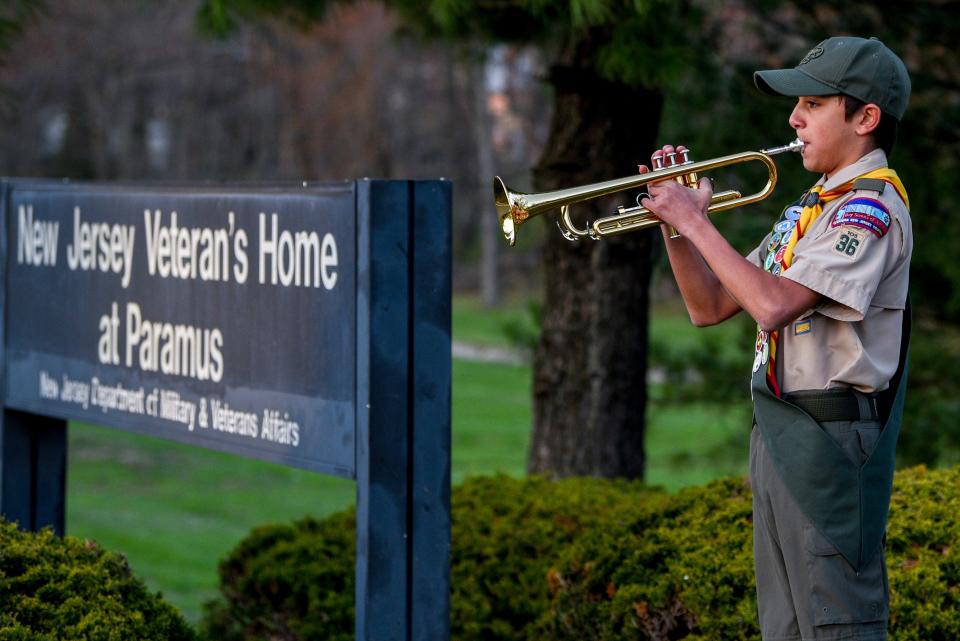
{"x":590,"y":365}
{"x":489,"y":227}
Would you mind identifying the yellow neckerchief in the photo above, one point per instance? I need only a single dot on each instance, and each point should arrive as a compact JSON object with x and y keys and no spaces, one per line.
{"x":811,"y":213}
{"x":808,"y":216}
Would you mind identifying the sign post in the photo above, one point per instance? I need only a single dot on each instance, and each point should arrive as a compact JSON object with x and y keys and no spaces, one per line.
{"x":308,"y":326}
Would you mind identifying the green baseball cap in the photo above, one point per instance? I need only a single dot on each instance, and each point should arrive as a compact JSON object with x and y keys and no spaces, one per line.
{"x":862,"y":68}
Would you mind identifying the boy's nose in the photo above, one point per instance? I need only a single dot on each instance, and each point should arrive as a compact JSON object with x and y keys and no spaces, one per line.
{"x":794,"y":120}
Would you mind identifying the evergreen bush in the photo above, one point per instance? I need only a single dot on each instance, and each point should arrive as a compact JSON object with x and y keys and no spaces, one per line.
{"x":683,"y":568}
{"x":287,"y":582}
{"x":296,"y":581}
{"x":534,"y":559}
{"x":508,"y":533}
{"x":64,"y":588}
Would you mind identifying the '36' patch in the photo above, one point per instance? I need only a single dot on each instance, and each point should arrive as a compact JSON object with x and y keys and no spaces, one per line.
{"x":865,"y":213}
{"x":849,"y":243}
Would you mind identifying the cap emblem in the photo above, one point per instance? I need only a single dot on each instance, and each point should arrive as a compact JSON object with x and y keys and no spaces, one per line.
{"x":816,"y":52}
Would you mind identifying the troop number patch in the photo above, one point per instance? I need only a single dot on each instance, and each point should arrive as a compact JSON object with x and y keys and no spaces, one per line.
{"x":865,"y":213}
{"x":849,"y":243}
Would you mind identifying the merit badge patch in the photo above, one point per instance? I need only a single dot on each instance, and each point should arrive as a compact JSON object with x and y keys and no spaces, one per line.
{"x":784,"y":226}
{"x":768,"y":263}
{"x":865,"y":213}
{"x":762,"y":350}
{"x":804,"y":326}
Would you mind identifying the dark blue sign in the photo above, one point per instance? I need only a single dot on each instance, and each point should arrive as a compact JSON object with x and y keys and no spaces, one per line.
{"x":218,"y":317}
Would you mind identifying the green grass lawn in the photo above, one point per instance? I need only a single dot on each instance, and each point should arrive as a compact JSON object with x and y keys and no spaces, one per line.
{"x":176,"y":510}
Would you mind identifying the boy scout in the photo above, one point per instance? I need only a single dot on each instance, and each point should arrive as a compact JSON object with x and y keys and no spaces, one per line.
{"x":828,"y":289}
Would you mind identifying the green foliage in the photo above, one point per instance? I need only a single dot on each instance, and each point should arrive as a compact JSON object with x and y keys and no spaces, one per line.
{"x":296,"y":581}
{"x":644,"y":48}
{"x":220,"y":17}
{"x":14,"y":14}
{"x":524,"y":332}
{"x":683,"y":566}
{"x":53,"y":588}
{"x":595,"y":559}
{"x":507,"y":534}
{"x":923,"y":555}
{"x":635,"y":42}
{"x":288,"y":582}
{"x":931,"y":424}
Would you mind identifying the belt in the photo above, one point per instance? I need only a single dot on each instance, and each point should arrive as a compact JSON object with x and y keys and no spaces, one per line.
{"x":836,"y":404}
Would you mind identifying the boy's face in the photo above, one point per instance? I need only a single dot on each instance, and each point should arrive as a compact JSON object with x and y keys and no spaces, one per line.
{"x":831,"y":142}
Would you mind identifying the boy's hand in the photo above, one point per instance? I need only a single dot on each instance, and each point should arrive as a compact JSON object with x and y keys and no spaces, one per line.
{"x":673,"y":203}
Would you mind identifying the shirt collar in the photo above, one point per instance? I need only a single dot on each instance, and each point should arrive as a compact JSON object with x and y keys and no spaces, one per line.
{"x":875,"y":159}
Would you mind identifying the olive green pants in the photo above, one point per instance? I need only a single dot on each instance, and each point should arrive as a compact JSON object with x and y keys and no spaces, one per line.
{"x":806,"y":590}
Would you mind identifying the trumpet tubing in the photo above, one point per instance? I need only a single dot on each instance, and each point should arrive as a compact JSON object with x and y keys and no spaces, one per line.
{"x":515,"y":208}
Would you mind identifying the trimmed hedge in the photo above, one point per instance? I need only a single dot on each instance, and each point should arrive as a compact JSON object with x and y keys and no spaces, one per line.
{"x":589,"y":559}
{"x":286,"y":582}
{"x":507,"y":534}
{"x":683,"y":567}
{"x":295,"y":581}
{"x":65,"y":588}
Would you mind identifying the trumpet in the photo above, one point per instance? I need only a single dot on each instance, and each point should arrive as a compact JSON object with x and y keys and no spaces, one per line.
{"x":515,"y":208}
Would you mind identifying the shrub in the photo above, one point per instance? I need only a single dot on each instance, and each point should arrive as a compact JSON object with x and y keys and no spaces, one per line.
{"x":287,"y":582}
{"x":296,"y":581}
{"x":684,"y":568}
{"x":65,"y":588}
{"x":923,"y":553}
{"x":590,"y":559}
{"x":508,"y":533}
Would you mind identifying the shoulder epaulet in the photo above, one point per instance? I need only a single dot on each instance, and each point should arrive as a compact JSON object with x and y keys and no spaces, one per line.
{"x":870,"y":184}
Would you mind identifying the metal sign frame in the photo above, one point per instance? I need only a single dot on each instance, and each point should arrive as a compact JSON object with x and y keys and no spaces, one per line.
{"x":402,"y":411}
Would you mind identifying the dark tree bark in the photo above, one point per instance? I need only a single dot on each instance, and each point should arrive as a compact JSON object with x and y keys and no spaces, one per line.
{"x":590,"y":365}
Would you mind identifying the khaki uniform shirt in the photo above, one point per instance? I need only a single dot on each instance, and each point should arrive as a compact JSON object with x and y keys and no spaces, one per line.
{"x":852,"y":338}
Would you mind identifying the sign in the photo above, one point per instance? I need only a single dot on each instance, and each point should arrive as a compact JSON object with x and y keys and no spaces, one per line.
{"x":305,"y":325}
{"x":218,"y":317}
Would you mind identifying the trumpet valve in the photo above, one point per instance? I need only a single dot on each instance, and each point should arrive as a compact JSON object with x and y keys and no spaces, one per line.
{"x":687,"y":180}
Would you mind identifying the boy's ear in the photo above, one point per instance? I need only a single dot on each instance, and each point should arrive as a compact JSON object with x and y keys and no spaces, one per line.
{"x":868,"y":119}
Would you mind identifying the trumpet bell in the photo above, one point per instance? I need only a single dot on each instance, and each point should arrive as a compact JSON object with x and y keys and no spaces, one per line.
{"x":501,"y":197}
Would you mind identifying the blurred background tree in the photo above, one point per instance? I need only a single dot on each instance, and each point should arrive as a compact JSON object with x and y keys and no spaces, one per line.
{"x":14,"y":15}
{"x":608,"y":64}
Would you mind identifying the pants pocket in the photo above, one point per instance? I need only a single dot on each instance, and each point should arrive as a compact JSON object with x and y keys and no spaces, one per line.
{"x":838,"y":593}
{"x":868,"y":433}
{"x":857,"y":439}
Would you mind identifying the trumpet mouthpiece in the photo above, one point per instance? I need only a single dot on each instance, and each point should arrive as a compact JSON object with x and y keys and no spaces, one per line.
{"x":796,"y":145}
